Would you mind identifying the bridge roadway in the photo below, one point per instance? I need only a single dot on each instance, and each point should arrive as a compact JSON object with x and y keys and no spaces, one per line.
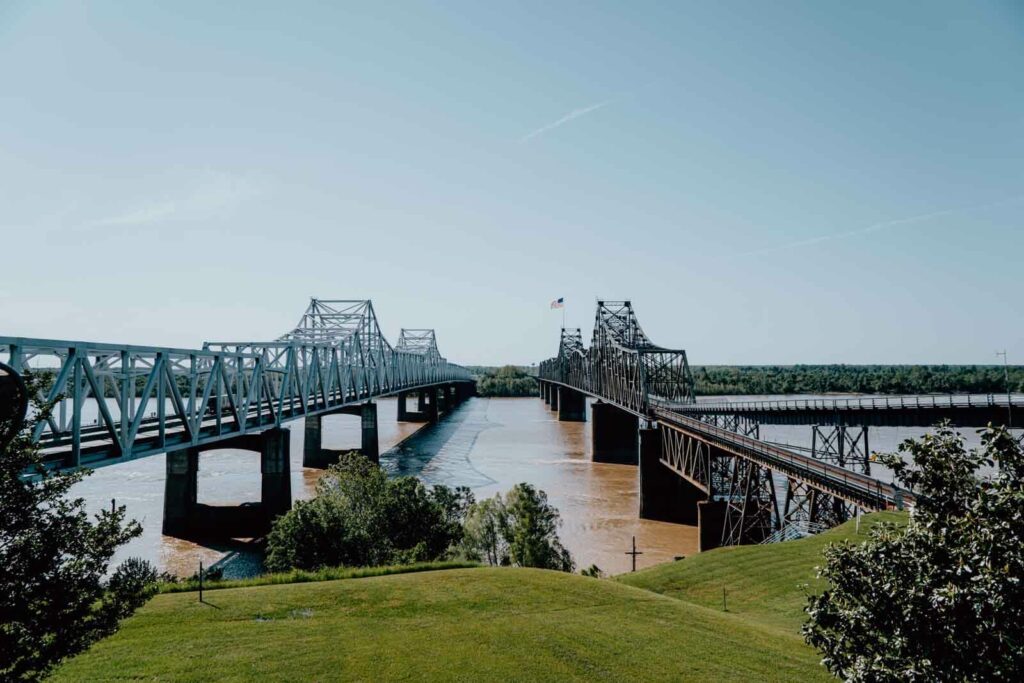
{"x":701,"y":462}
{"x":114,"y":403}
{"x":857,"y":488}
{"x":963,"y":410}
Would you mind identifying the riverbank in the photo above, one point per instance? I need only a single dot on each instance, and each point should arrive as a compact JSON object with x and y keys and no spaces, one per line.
{"x":666,"y":623}
{"x":464,"y":624}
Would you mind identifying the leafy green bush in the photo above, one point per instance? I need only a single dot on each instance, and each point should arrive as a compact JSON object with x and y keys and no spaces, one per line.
{"x":53,"y":557}
{"x":941,"y":599}
{"x":360,"y":518}
{"x":518,"y":529}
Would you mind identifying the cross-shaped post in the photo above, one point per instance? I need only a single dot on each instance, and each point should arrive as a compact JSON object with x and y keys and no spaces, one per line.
{"x":634,"y":552}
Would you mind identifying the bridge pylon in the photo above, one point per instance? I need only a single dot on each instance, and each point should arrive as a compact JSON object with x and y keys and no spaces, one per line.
{"x":315,"y":455}
{"x":184,"y":516}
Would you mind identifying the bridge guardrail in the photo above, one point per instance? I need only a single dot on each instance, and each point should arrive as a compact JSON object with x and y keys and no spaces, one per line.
{"x":853,"y":486}
{"x":901,"y":402}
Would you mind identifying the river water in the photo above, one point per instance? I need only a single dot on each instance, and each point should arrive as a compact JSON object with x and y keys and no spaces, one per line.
{"x":488,"y":444}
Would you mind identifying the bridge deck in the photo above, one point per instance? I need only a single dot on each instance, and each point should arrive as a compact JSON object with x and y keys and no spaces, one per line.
{"x":964,"y":410}
{"x":860,"y":489}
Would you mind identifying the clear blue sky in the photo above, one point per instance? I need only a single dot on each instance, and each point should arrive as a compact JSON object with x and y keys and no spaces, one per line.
{"x":768,"y":182}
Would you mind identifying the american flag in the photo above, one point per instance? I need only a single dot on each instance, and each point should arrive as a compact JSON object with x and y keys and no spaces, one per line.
{"x":558,"y":303}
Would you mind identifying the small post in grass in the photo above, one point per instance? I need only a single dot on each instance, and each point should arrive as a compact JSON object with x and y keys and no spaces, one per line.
{"x":200,"y":580}
{"x":725,"y":607}
{"x":634,"y":553}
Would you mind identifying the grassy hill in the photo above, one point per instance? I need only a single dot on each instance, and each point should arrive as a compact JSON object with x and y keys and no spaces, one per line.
{"x":468,"y":624}
{"x":764,"y":584}
{"x":664,"y":623}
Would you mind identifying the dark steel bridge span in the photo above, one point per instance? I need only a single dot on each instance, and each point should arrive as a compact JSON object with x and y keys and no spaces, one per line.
{"x":702,"y":462}
{"x":114,"y":403}
{"x":967,"y":410}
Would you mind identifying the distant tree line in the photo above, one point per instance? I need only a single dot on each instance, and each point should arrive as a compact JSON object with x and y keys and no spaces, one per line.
{"x":859,"y":379}
{"x":508,"y":380}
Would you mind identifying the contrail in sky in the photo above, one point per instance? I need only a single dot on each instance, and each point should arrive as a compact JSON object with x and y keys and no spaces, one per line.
{"x":876,"y":227}
{"x":574,"y":114}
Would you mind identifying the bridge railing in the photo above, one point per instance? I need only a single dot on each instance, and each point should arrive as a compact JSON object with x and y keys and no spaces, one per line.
{"x":861,"y":489}
{"x":898,"y":402}
{"x":117,"y":402}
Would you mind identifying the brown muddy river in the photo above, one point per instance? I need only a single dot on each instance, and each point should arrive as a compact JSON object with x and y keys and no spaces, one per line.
{"x":487,"y":444}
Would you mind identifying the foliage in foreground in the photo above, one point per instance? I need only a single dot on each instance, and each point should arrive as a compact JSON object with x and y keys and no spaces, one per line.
{"x":361,"y":518}
{"x":941,"y":599}
{"x":53,"y":557}
{"x":519,"y":529}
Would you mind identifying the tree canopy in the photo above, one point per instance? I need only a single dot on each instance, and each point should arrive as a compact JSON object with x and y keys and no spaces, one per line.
{"x":53,"y":558}
{"x":362,"y":518}
{"x":518,"y":529}
{"x":941,"y":599}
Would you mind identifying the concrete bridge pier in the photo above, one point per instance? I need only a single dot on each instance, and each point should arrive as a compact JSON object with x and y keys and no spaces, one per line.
{"x":315,"y":455}
{"x":465,"y":391}
{"x":184,"y":516}
{"x":572,"y":405}
{"x":664,"y":495}
{"x":615,"y":434}
{"x":553,"y":399}
{"x":422,"y":412}
{"x":710,"y":523}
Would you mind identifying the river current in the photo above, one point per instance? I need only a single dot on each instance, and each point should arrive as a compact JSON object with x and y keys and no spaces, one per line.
{"x":487,"y":444}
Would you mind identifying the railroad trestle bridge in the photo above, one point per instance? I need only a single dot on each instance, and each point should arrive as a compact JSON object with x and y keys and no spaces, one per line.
{"x":114,"y":403}
{"x":704,"y":463}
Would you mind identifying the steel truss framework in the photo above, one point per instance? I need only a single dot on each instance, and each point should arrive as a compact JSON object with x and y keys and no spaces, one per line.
{"x":624,"y":367}
{"x":622,"y":364}
{"x":118,"y":402}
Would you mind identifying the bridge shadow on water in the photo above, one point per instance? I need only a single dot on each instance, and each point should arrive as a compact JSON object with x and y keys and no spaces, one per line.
{"x":439,"y":453}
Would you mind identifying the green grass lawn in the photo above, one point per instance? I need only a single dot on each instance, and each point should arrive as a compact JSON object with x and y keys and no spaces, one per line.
{"x":467,"y":624}
{"x":664,"y":623}
{"x":764,"y":584}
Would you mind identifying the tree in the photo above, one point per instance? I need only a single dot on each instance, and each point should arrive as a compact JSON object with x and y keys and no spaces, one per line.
{"x":360,"y":518}
{"x":942,"y":598}
{"x":53,"y":558}
{"x":518,"y":529}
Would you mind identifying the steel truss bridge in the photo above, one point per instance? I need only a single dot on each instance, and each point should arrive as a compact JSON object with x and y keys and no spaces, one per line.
{"x":738,"y":488}
{"x":118,"y":402}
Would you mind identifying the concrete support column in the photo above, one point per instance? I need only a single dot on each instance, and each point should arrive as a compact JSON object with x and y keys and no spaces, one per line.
{"x":370,"y":442}
{"x":275,"y":466}
{"x":711,"y":521}
{"x":553,"y":402}
{"x":403,"y":406}
{"x":421,"y":401}
{"x":572,"y":405}
{"x":614,"y":437}
{"x":431,"y":409}
{"x":664,"y":495}
{"x":180,"y":491}
{"x":313,"y":453}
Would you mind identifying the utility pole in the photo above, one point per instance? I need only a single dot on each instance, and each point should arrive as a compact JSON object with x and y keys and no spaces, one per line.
{"x":1009,"y":399}
{"x":634,"y":552}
